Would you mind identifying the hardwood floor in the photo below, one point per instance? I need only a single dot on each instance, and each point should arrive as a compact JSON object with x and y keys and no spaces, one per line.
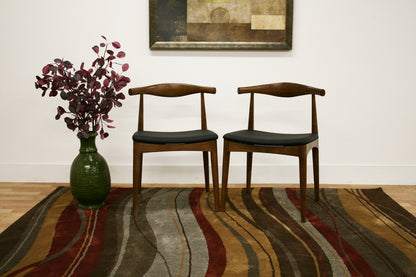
{"x":17,"y":198}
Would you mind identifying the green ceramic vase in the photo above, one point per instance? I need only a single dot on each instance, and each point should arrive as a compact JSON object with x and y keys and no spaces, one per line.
{"x":90,"y":177}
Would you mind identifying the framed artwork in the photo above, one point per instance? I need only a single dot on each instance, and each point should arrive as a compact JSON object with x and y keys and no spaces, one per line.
{"x":221,"y":24}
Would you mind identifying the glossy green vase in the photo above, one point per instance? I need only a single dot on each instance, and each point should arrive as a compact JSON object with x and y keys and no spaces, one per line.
{"x":90,"y":177}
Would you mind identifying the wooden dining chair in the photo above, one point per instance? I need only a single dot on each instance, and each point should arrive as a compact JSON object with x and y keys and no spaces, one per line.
{"x":202,"y":139}
{"x":251,"y":140}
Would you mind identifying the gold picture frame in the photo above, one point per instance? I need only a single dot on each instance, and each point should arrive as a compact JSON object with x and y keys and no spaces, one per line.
{"x":221,"y":24}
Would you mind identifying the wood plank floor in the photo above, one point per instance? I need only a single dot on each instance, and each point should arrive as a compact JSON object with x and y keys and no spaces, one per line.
{"x":17,"y":198}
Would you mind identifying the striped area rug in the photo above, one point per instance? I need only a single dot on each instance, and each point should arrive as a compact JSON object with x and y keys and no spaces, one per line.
{"x":177,"y":233}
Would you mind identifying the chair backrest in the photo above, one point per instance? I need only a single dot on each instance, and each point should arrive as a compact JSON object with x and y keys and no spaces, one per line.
{"x":171,"y":90}
{"x":283,"y":90}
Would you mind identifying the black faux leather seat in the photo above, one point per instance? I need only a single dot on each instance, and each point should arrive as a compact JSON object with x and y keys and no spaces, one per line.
{"x":182,"y":137}
{"x":255,"y":137}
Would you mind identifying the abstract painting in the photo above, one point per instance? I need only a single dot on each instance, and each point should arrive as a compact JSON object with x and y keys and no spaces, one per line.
{"x":221,"y":24}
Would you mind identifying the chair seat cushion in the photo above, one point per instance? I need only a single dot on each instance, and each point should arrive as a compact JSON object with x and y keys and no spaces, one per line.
{"x":182,"y":137}
{"x":254,"y":137}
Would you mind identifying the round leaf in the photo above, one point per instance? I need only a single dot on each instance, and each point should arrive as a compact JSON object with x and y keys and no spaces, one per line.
{"x":45,"y":69}
{"x":116,"y":44}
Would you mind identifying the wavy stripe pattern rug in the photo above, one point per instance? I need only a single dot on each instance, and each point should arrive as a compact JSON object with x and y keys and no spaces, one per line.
{"x":177,"y":233}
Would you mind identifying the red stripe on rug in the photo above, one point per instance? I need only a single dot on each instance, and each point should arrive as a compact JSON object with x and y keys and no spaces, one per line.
{"x":66,"y":229}
{"x":83,"y":256}
{"x":355,"y":263}
{"x":216,"y":249}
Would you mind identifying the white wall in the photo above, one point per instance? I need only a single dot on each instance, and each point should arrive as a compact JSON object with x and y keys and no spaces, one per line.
{"x":362,"y":52}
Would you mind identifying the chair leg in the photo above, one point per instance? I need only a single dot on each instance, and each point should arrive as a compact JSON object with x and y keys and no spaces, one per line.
{"x":302,"y":177}
{"x":225,"y":168}
{"x":206,"y":170}
{"x":214,"y":166}
{"x":315,"y":156}
{"x":248,"y":171}
{"x":137,"y":178}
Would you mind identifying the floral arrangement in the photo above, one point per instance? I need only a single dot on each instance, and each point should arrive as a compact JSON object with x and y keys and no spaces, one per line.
{"x":91,"y":93}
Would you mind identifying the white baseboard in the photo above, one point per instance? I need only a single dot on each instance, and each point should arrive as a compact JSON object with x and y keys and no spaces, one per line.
{"x":193,"y":174}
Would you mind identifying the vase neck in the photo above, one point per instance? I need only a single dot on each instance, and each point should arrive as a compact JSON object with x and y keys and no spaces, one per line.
{"x":88,"y":144}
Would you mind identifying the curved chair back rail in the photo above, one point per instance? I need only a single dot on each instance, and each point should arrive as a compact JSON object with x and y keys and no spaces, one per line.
{"x":251,"y":140}
{"x":283,"y":90}
{"x":171,"y":90}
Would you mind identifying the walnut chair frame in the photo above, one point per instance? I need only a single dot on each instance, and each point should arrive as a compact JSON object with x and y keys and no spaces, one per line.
{"x":196,"y":140}
{"x":251,"y":140}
